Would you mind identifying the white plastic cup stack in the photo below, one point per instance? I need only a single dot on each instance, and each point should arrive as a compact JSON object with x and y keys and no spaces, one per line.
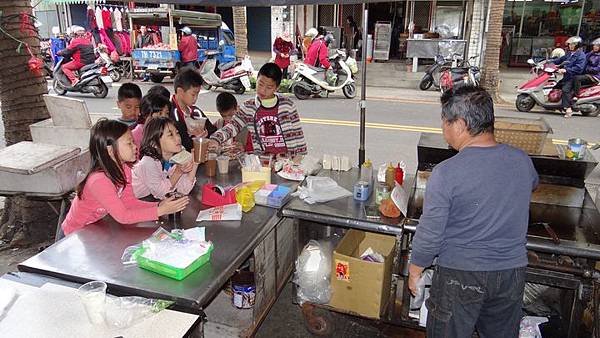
{"x":93,"y":297}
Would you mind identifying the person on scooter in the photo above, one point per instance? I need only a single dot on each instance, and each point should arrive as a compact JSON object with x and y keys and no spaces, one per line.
{"x":592,"y":69}
{"x":575,"y":58}
{"x":188,"y":47}
{"x":81,"y":52}
{"x":318,"y":55}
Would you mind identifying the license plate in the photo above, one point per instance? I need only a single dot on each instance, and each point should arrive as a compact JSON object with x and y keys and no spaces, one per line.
{"x":107,"y":80}
{"x":153,"y":67}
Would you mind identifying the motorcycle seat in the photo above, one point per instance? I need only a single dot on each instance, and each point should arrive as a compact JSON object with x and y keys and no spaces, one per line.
{"x":317,"y":69}
{"x":459,"y":70}
{"x":228,"y":65}
{"x":88,"y":67}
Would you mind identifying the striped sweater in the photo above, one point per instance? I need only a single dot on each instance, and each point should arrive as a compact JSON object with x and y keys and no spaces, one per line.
{"x":288,"y":119}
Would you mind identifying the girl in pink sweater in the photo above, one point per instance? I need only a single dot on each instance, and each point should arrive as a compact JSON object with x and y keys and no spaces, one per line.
{"x":153,"y":105}
{"x":154,"y":174}
{"x":107,"y":189}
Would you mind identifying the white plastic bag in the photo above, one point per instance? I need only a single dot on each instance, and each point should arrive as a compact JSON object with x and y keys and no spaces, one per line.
{"x":530,"y":327}
{"x":424,"y":282}
{"x":313,"y":271}
{"x":123,"y":312}
{"x":321,"y":189}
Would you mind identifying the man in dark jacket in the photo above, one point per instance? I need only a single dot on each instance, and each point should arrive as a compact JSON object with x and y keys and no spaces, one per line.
{"x":81,"y":51}
{"x":575,"y":65}
{"x":592,"y":69}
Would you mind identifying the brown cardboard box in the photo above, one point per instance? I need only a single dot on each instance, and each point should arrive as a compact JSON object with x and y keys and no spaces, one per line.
{"x":200,"y":150}
{"x":359,"y":286}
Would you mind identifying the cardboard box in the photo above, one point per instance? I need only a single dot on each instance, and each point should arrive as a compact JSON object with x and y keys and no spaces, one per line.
{"x":359,"y":286}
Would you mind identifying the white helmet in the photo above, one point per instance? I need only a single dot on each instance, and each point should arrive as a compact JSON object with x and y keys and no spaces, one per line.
{"x":557,"y":53}
{"x":77,"y":29}
{"x":186,"y":30}
{"x":312,"y":33}
{"x":575,"y":40}
{"x":596,"y":42}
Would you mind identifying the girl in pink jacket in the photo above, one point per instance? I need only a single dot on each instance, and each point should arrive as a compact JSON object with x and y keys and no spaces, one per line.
{"x":107,"y":188}
{"x":155,"y":174}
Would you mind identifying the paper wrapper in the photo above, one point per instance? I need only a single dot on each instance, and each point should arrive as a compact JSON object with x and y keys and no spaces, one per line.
{"x":229,"y":212}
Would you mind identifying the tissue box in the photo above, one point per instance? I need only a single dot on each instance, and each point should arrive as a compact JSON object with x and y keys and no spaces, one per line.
{"x":263,"y":175}
{"x":274,"y":196}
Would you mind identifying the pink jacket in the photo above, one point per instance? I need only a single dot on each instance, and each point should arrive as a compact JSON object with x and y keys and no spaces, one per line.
{"x":100,"y":197}
{"x":138,"y":133}
{"x":150,"y":178}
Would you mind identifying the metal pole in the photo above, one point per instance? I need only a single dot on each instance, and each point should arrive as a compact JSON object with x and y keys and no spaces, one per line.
{"x":580,"y":18}
{"x":363,"y":85}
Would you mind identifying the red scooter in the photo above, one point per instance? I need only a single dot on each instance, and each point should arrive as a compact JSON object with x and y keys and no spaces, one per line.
{"x":540,"y":91}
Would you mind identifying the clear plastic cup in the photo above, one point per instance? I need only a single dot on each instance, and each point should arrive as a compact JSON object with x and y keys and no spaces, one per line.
{"x":223,"y":164}
{"x":93,"y":297}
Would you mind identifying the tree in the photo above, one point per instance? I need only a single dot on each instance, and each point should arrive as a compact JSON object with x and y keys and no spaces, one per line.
{"x":23,"y":221}
{"x":491,"y":61}
{"x":241,"y":30}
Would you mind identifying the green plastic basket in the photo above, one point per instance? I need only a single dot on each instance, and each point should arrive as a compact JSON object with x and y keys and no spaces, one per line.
{"x":170,"y":271}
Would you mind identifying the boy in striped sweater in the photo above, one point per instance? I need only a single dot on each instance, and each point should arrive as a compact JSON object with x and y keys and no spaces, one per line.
{"x":272,"y":121}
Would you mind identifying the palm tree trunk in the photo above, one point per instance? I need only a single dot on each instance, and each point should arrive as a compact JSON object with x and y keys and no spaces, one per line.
{"x":241,"y":31}
{"x":23,"y":221}
{"x":491,"y":62}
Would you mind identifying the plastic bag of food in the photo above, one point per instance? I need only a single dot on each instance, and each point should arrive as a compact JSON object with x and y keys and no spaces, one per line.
{"x":424,"y":282}
{"x":123,"y":312}
{"x":313,"y":271}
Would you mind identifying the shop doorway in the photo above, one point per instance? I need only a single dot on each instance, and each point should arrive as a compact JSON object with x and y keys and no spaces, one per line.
{"x":259,"y":28}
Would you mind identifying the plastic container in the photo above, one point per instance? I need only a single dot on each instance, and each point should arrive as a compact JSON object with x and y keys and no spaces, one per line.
{"x":93,"y":297}
{"x":361,"y":191}
{"x":382,"y":192}
{"x":170,"y":271}
{"x":263,"y":175}
{"x":528,"y":135}
{"x":244,"y":290}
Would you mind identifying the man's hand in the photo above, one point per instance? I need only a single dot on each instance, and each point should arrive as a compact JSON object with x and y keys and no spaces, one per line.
{"x":562,"y":71}
{"x":414,"y":273}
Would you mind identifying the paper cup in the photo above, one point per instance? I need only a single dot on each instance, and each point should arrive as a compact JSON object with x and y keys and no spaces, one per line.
{"x":223,"y":164}
{"x":93,"y":297}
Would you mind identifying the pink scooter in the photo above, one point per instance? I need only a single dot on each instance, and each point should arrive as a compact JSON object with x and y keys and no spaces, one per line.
{"x":540,"y":91}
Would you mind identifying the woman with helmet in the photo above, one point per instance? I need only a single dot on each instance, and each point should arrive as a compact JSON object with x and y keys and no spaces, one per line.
{"x":318,"y":55}
{"x":592,"y":68}
{"x":575,"y":65}
{"x":309,"y":36}
{"x":81,"y":51}
{"x":188,"y":48}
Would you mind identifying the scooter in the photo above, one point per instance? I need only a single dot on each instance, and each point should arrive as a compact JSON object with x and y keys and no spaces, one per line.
{"x":432,"y":75}
{"x":540,"y":91}
{"x":231,"y":75}
{"x":113,"y":71}
{"x":92,"y":79}
{"x":309,"y":80}
{"x":462,"y":73}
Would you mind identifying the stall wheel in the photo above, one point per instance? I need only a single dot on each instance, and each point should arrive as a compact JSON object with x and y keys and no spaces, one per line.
{"x":318,"y":322}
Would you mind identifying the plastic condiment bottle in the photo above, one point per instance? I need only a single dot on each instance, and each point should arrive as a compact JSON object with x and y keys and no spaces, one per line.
{"x":399,"y":177}
{"x":390,"y":174}
{"x":366,"y":171}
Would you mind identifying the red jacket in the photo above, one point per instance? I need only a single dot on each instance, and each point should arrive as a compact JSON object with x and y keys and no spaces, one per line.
{"x":317,"y":51}
{"x":188,"y":47}
{"x":81,"y":50}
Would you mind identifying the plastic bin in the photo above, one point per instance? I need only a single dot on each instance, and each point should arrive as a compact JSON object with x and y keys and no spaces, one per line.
{"x":528,"y":135}
{"x":170,"y":271}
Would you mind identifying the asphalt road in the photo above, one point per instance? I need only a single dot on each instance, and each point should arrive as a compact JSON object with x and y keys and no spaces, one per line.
{"x":331,"y":125}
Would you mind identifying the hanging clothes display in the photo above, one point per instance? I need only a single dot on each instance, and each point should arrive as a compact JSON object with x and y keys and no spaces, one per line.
{"x":106,"y":20}
{"x":98,"y":14}
{"x":91,"y":18}
{"x":106,"y":40}
{"x":117,"y":20}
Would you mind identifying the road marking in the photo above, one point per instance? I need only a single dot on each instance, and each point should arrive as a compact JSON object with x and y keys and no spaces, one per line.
{"x":373,"y":125}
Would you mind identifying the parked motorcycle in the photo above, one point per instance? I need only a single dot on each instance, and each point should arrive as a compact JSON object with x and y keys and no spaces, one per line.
{"x":105,"y":60}
{"x":432,"y":75}
{"x":92,"y":79}
{"x":231,"y":75}
{"x":309,"y":80}
{"x":462,"y":73}
{"x":540,"y":90}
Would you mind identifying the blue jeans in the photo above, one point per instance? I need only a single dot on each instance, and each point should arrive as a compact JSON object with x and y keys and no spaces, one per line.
{"x":487,"y":301}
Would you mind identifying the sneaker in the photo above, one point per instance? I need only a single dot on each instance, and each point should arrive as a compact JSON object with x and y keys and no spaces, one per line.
{"x":568,"y":113}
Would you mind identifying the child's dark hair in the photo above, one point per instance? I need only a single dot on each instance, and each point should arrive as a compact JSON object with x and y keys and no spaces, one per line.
{"x":153,"y":131}
{"x":225,"y":102}
{"x":103,"y":134}
{"x":187,"y":79}
{"x":152,"y":103}
{"x":272,"y":71}
{"x":129,"y":91}
{"x":159,"y":90}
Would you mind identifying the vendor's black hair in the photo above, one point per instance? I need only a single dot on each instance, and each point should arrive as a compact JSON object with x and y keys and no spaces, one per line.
{"x":225,"y":102}
{"x":187,"y":79}
{"x":473,"y":105}
{"x":272,"y":71}
{"x":103,"y":134}
{"x":129,"y":91}
{"x":159,"y":90}
{"x":153,"y":131}
{"x":152,"y":103}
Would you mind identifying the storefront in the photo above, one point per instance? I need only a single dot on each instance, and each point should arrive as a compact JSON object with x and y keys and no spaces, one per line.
{"x":535,"y":27}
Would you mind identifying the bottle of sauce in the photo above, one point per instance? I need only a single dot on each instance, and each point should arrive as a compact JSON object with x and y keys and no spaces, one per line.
{"x":366,"y":172}
{"x":390,"y":175}
{"x":399,"y":176}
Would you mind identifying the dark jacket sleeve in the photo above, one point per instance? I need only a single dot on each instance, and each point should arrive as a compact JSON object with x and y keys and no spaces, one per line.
{"x":186,"y":140}
{"x":593,"y":65}
{"x":577,"y":64}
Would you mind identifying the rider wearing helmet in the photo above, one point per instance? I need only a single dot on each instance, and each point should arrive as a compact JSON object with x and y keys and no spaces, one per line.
{"x":188,"y":47}
{"x":317,"y":52}
{"x":81,"y":51}
{"x":309,"y":36}
{"x":592,"y":68}
{"x":575,"y":58}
